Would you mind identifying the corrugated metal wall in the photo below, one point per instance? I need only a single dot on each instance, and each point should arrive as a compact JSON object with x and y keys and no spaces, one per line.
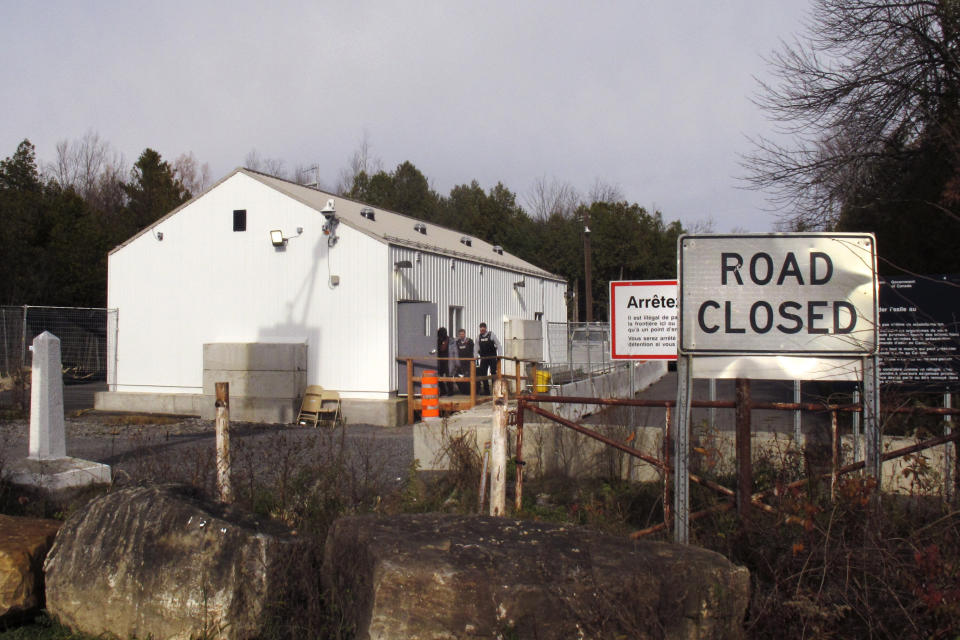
{"x":486,"y":293}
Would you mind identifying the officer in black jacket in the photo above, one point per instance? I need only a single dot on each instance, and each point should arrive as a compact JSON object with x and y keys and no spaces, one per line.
{"x":489,"y":348}
{"x":465,"y":362}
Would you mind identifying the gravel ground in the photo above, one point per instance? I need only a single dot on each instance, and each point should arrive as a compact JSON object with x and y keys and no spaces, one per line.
{"x":163,"y":449}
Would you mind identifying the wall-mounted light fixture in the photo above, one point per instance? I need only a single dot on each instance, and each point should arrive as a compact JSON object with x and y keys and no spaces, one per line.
{"x":158,"y":235}
{"x":402,"y":264}
{"x":417,"y":256}
{"x":277,"y":238}
{"x":518,"y":284}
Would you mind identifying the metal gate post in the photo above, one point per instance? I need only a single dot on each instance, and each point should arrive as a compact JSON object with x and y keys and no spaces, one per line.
{"x":855,"y":419}
{"x":681,"y":451}
{"x":744,"y":454}
{"x":949,"y":451}
{"x":871,"y":417}
{"x":797,"y":415}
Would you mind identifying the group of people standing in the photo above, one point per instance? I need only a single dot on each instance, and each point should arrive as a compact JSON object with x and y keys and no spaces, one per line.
{"x":488,"y":348}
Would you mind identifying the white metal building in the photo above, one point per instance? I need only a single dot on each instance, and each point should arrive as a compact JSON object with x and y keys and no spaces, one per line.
{"x":249,"y":261}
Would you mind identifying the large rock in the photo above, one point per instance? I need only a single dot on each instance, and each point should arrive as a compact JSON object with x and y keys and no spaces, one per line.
{"x":439,"y":576}
{"x":24,"y":543}
{"x":161,"y":563}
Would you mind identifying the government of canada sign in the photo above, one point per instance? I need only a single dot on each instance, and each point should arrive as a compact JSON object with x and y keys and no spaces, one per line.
{"x":800,"y":294}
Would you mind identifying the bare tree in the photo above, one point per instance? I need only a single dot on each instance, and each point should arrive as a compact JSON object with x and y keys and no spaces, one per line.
{"x":864,"y":84}
{"x":603,"y":191}
{"x":547,"y":198}
{"x":191,"y":174}
{"x":703,"y":225}
{"x":271,"y":166}
{"x":362,"y":161}
{"x":82,"y":164}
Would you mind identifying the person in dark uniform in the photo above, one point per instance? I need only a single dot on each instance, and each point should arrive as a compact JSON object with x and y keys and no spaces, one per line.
{"x":443,"y":365}
{"x":465,"y":362}
{"x":489,"y":348}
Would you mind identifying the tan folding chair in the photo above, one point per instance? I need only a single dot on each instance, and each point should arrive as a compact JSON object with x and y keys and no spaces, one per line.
{"x":310,"y":407}
{"x":330,"y":407}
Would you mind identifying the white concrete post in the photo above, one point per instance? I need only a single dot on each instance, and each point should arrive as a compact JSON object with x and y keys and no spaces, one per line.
{"x":47,"y":439}
{"x":498,"y":451}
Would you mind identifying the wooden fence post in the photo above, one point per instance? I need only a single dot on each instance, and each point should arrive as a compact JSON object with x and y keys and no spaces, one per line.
{"x":223,"y":442}
{"x":498,"y":451}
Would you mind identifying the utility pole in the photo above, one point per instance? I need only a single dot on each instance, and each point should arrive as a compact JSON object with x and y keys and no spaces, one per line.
{"x":587,"y":267}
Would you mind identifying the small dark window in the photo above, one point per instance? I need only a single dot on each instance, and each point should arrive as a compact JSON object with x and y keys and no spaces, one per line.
{"x":239,"y":219}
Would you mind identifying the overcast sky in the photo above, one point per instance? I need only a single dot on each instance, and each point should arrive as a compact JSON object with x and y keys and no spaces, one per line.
{"x":651,"y":96}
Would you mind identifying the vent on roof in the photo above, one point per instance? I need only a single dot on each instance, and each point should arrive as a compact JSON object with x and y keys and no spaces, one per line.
{"x":467,"y":240}
{"x":420,"y":228}
{"x":498,"y":249}
{"x":368,"y":213}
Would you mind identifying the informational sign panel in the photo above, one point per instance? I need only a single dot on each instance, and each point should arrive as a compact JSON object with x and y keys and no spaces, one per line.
{"x":643,"y":320}
{"x":800,"y":294}
{"x":919,"y":325}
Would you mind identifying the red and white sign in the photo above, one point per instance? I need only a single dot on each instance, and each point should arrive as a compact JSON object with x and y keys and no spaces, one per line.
{"x":643,"y":320}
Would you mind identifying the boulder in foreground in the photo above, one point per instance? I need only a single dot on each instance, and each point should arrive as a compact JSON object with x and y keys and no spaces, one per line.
{"x":441,"y":576}
{"x":24,"y":543}
{"x":159,"y":562}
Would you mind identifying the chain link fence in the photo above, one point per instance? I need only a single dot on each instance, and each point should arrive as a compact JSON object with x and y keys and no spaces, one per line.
{"x":87,"y":340}
{"x":578,"y":350}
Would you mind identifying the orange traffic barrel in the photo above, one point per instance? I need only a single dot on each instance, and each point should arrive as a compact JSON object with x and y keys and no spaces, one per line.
{"x":430,"y":396}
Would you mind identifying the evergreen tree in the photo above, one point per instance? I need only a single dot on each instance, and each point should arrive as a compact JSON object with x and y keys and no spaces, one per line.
{"x":153,"y":191}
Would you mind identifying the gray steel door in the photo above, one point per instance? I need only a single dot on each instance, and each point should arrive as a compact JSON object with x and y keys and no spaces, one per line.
{"x":416,"y":338}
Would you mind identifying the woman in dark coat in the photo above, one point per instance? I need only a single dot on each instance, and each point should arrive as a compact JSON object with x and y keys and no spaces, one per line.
{"x":443,"y":365}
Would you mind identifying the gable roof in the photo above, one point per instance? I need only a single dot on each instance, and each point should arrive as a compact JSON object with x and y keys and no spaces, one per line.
{"x":384,"y":225}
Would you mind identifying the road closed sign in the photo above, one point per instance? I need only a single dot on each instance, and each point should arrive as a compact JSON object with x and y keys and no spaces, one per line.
{"x":800,"y":294}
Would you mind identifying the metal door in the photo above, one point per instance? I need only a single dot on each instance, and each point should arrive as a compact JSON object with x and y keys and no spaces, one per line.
{"x":416,"y":338}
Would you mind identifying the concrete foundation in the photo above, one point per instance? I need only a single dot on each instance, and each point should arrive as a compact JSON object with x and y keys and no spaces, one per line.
{"x":550,"y":449}
{"x":384,"y":413}
{"x":179,"y":404}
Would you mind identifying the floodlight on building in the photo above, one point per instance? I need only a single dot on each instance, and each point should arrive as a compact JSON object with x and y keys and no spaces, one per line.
{"x":277,"y":239}
{"x":402,"y":264}
{"x":518,"y":284}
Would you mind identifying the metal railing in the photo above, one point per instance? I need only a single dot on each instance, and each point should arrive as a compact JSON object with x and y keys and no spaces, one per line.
{"x":743,"y":498}
{"x":524,"y":374}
